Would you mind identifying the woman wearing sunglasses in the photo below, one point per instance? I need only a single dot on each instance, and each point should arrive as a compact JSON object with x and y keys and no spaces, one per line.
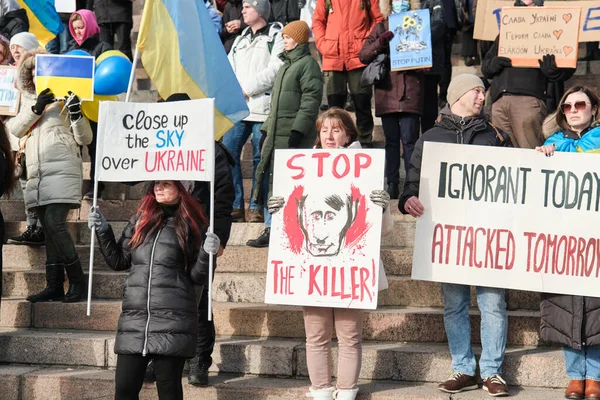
{"x":574,"y":321}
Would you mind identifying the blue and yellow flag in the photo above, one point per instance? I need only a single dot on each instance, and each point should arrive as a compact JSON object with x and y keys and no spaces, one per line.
{"x":64,"y":73}
{"x":44,"y":21}
{"x":182,"y":53}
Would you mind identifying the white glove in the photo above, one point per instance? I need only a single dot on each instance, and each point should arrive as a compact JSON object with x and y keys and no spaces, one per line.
{"x":380,"y":198}
{"x":211,"y":243}
{"x":96,"y":220}
{"x":275,"y":203}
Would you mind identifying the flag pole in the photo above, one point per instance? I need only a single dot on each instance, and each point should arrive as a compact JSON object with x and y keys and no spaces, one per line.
{"x":132,"y":75}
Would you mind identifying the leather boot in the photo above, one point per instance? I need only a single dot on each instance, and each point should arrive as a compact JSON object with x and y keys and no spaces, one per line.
{"x":76,"y":282}
{"x":336,"y":100}
{"x":54,"y":291}
{"x":198,"y":375}
{"x":592,"y":390}
{"x":575,"y":389}
{"x":321,"y":394}
{"x":393,"y":191}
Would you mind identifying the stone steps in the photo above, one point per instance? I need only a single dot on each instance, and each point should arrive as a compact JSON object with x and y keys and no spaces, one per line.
{"x":63,"y":383}
{"x":395,"y":361}
{"x":396,"y":324}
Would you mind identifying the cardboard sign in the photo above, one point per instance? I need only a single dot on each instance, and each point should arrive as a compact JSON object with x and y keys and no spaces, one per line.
{"x":529,"y":33}
{"x":509,"y":218}
{"x":162,"y":141}
{"x":324,"y":245}
{"x":65,"y":6}
{"x":410,"y":48}
{"x":63,"y":73}
{"x":10,"y":97}
{"x":487,"y":19}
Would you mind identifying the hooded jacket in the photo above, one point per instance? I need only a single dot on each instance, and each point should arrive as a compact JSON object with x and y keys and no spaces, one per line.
{"x":90,"y":40}
{"x":159,"y":312}
{"x":450,"y":129}
{"x":54,"y":168}
{"x":13,"y":19}
{"x":108,"y":11}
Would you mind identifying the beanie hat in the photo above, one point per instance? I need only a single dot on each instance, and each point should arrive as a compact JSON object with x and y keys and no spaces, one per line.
{"x":263,"y":7}
{"x":297,"y":30}
{"x":26,"y":40}
{"x":461,"y":84}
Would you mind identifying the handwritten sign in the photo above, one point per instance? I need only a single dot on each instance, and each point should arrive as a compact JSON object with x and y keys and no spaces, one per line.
{"x":410,"y":48}
{"x":528,"y":33}
{"x":163,"y":141}
{"x":509,"y":218}
{"x":324,"y":245}
{"x":9,"y":95}
{"x":487,"y":20}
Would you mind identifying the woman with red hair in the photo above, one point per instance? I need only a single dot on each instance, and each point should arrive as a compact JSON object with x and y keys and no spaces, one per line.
{"x":162,"y":248}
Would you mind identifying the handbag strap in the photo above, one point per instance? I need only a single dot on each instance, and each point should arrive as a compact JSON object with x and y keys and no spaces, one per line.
{"x":22,"y":148}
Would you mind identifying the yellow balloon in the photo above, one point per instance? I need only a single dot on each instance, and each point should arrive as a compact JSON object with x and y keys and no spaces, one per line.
{"x":91,"y":108}
{"x":110,"y":53}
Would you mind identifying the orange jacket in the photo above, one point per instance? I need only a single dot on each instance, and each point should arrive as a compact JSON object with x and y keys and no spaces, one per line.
{"x":341,"y":31}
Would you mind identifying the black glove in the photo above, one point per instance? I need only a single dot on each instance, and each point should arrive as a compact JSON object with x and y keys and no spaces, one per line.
{"x":295,"y":140}
{"x":44,"y":98}
{"x":549,"y":68}
{"x":73,"y":104}
{"x":385,"y":38}
{"x":497,"y":64}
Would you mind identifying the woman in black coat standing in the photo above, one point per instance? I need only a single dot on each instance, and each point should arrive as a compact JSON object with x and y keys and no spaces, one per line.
{"x":7,"y":182}
{"x":161,"y":246}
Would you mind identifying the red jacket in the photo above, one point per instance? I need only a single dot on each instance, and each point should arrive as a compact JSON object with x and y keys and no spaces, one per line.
{"x":341,"y":31}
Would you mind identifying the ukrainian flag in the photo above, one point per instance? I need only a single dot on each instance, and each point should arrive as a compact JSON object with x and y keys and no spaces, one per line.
{"x":44,"y":21}
{"x":182,"y":53}
{"x":64,"y":73}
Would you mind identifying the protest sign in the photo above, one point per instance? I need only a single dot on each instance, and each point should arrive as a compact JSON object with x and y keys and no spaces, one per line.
{"x":64,"y":73}
{"x":529,"y":33}
{"x":324,"y":244}
{"x":162,"y":141}
{"x":509,"y":218}
{"x":487,"y":19}
{"x":410,"y":48}
{"x":65,"y":6}
{"x":9,"y":95}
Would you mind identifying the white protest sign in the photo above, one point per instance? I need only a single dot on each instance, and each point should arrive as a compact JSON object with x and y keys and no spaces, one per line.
{"x":9,"y":94}
{"x":325,"y":241}
{"x":65,"y":6}
{"x":509,"y":218}
{"x":162,"y":141}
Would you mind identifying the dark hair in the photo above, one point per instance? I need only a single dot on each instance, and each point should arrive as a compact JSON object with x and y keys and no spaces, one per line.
{"x":5,"y":51}
{"x":343,"y":119}
{"x":9,"y":162}
{"x":189,"y":221}
{"x":561,"y":119}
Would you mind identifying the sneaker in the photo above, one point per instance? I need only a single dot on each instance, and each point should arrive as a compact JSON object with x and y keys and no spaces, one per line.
{"x":33,"y":236}
{"x":459,"y":383}
{"x":495,"y":386}
{"x":262,"y":240}
{"x":256,"y":216}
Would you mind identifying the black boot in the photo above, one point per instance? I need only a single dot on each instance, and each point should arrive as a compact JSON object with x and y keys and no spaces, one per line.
{"x":76,"y":282}
{"x":198,"y":372}
{"x":54,"y":291}
{"x":364,"y":119}
{"x":262,"y":240}
{"x":393,"y":191}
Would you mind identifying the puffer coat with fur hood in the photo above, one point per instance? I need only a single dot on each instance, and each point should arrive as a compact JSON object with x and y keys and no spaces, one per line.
{"x":54,"y":168}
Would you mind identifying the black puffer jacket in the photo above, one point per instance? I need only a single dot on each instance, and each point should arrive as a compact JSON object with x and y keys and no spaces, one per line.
{"x":475,"y":130}
{"x":572,"y":321}
{"x":159,"y":313}
{"x":113,"y":11}
{"x":284,"y":11}
{"x":92,"y":45}
{"x":14,"y":22}
{"x":232,"y":11}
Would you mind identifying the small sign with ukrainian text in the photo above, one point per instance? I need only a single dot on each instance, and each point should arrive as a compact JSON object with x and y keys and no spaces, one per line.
{"x":529,"y":33}
{"x":162,"y":141}
{"x":509,"y":218}
{"x":325,"y":240}
{"x":410,"y":48}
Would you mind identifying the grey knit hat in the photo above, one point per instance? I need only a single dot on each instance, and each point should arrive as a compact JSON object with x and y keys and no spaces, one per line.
{"x":461,"y":84}
{"x":263,"y":7}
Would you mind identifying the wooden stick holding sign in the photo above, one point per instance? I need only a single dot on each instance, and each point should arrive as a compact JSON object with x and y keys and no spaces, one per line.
{"x":150,"y":142}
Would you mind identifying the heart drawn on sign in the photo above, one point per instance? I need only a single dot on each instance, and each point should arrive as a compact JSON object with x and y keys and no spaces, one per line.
{"x":568,"y":50}
{"x":567,"y":17}
{"x":558,"y":33}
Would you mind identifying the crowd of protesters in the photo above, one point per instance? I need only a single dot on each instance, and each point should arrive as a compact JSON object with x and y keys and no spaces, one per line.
{"x":267,"y":42}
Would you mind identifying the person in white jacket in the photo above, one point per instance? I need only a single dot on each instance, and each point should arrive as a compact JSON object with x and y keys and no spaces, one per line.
{"x":255,"y":60}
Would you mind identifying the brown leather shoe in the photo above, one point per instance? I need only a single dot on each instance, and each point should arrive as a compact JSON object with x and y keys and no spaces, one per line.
{"x":256,"y":216}
{"x":495,"y":386}
{"x":459,"y":383}
{"x":238,"y":215}
{"x":592,"y":390}
{"x":575,"y":389}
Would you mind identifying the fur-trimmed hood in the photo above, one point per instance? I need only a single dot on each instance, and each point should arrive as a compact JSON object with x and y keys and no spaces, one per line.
{"x":385,"y":6}
{"x":26,"y":65}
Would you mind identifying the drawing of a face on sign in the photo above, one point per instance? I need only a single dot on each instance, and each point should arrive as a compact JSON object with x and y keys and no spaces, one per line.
{"x":323,"y":224}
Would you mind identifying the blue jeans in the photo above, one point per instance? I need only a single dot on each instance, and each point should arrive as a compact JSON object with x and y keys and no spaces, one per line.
{"x":494,"y":323}
{"x":60,"y":44}
{"x":399,"y":127}
{"x":234,"y":140}
{"x":583,"y":364}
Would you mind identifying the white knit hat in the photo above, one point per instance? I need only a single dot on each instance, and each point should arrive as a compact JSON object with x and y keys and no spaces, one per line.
{"x":26,"y":40}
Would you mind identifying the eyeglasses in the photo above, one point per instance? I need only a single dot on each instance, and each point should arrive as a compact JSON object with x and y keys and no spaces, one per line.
{"x":579,"y":106}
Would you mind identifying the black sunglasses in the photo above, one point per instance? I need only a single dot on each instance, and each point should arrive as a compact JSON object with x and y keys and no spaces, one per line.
{"x":579,"y":106}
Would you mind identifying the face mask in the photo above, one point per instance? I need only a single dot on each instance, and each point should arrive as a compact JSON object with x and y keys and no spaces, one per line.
{"x":400,"y":6}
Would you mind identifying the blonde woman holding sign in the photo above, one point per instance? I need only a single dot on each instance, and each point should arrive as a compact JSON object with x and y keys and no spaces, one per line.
{"x":574,"y":321}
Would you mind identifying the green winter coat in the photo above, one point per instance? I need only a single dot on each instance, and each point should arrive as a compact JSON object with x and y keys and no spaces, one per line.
{"x":295,"y":101}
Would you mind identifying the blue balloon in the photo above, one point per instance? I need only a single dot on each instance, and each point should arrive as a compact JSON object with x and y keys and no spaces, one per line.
{"x":112,"y":76}
{"x":78,"y":53}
